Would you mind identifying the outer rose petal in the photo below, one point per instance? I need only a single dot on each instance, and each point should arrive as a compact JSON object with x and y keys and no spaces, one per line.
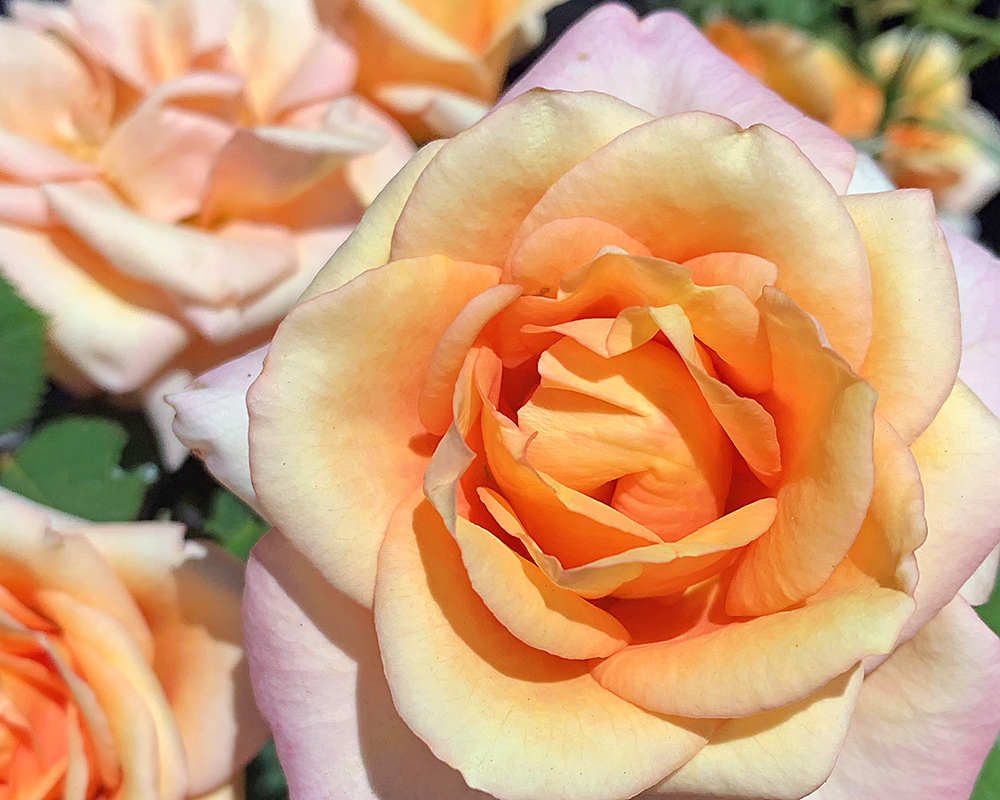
{"x":518,"y":723}
{"x":779,"y":754}
{"x":916,"y":341}
{"x":979,"y":587}
{"x":926,"y":718}
{"x":959,"y":460}
{"x":212,"y":420}
{"x":318,"y":678}
{"x":708,"y":186}
{"x":478,"y":223}
{"x":978,"y":273}
{"x":664,"y":65}
{"x":319,"y":481}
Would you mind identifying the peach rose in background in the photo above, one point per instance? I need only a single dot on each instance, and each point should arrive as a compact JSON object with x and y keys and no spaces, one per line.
{"x":437,"y":65}
{"x":172,"y":175}
{"x":936,"y":138}
{"x":811,"y":74}
{"x":620,"y":451}
{"x":122,"y":673}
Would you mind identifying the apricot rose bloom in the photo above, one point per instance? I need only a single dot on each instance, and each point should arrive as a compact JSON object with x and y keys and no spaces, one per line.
{"x":122,"y":673}
{"x":173,"y":174}
{"x":620,"y":452}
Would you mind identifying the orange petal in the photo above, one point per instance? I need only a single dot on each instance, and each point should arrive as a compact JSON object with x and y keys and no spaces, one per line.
{"x":649,"y":570}
{"x":435,"y":404}
{"x":362,"y":412}
{"x":518,"y":724}
{"x":561,"y":246}
{"x":916,"y":339}
{"x":825,"y":419}
{"x":751,"y":273}
{"x":573,"y":527}
{"x":538,"y":612}
{"x":637,"y":418}
{"x":703,"y":185}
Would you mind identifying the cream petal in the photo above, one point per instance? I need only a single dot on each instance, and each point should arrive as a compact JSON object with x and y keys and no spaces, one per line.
{"x":916,"y":341}
{"x":778,"y":754}
{"x":959,"y":458}
{"x":517,"y":723}
{"x":926,"y":718}
{"x":478,"y":224}
{"x":372,"y":390}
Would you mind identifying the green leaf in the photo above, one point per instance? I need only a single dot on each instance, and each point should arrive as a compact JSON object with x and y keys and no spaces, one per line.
{"x":265,"y":780}
{"x":233,"y":525}
{"x":22,"y":348}
{"x":988,"y":785}
{"x":72,"y":465}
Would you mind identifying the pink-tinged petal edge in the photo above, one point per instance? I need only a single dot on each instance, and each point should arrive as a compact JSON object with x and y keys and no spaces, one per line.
{"x":664,"y":65}
{"x":926,"y":718}
{"x":317,"y":676}
{"x":211,"y":418}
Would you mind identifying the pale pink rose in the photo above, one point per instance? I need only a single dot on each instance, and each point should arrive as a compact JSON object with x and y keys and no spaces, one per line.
{"x":122,"y":672}
{"x":621,"y":452}
{"x":172,"y":175}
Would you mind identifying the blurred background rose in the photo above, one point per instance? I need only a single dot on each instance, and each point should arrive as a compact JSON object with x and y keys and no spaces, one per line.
{"x":437,"y":65}
{"x":172,"y":175}
{"x":122,"y":671}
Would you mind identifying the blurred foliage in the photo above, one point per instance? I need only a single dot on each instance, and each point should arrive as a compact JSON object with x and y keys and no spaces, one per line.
{"x":72,"y":465}
{"x":265,"y":780}
{"x":22,"y":350}
{"x":988,"y":785}
{"x":232,"y":524}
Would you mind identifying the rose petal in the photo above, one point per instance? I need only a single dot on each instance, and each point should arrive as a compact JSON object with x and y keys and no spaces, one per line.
{"x":191,"y":596}
{"x":913,"y":357}
{"x":442,"y":110}
{"x":161,"y":155}
{"x":368,"y":246}
{"x":664,"y":65}
{"x":373,"y":392}
{"x":824,"y":416}
{"x":978,"y":273}
{"x":926,"y":718}
{"x":707,"y":186}
{"x":478,"y":224}
{"x":730,"y":671}
{"x":323,"y":690}
{"x":209,"y":267}
{"x":517,"y":723}
{"x":161,"y":416}
{"x":538,"y":612}
{"x":978,"y":589}
{"x":778,"y":754}
{"x":212,"y":419}
{"x":959,"y":458}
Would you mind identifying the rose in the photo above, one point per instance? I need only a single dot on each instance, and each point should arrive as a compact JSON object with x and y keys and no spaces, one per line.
{"x":934,"y":137}
{"x":161,"y":167}
{"x":437,"y":66}
{"x":942,"y":138}
{"x":560,"y":412}
{"x":121,"y":668}
{"x":811,"y":74}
